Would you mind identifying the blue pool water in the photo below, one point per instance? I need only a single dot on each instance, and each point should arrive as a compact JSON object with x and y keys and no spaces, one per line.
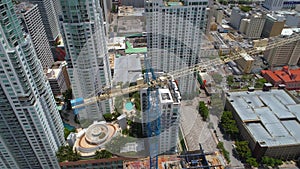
{"x":69,"y":127}
{"x":129,"y":106}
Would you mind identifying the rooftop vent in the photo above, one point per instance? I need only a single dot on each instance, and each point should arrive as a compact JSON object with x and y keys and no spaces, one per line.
{"x":267,"y":87}
{"x":251,"y":89}
{"x":281,"y":86}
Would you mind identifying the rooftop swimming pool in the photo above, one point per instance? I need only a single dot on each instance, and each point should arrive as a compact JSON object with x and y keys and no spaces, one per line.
{"x":129,"y":106}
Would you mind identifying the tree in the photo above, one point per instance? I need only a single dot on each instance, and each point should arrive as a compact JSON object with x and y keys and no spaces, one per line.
{"x":260,"y":83}
{"x":223,"y":2}
{"x":230,"y":79}
{"x":66,"y":153}
{"x":245,"y":8}
{"x":137,"y":101}
{"x":225,"y":153}
{"x":271,"y":161}
{"x":243,"y":149}
{"x":114,"y":8}
{"x":67,"y":98}
{"x":108,"y":117}
{"x":102,"y":154}
{"x":203,"y":110}
{"x":252,"y":161}
{"x":229,"y":124}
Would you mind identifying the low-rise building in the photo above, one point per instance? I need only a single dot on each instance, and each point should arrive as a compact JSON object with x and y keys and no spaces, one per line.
{"x":116,"y":162}
{"x":93,"y":138}
{"x":289,"y":77}
{"x":245,"y":63}
{"x":268,"y":120}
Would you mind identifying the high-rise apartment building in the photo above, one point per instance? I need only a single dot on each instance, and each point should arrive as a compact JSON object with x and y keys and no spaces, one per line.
{"x":244,"y":25}
{"x":174,"y":36}
{"x":164,"y":111}
{"x":57,"y":8}
{"x":88,"y":62}
{"x":33,"y":25}
{"x":31,"y":127}
{"x":49,"y":18}
{"x":106,"y":6}
{"x":273,"y":25}
{"x":236,"y":16}
{"x":284,"y":55}
{"x":255,"y":26}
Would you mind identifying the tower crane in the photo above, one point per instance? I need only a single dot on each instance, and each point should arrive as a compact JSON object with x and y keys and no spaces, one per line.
{"x":153,"y":122}
{"x":153,"y":117}
{"x":108,"y":93}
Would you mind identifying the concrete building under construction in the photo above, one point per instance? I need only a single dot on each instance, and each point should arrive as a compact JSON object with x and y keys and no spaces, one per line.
{"x":162,"y":107}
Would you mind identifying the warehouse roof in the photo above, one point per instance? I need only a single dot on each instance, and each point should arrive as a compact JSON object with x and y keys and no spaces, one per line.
{"x":272,"y":117}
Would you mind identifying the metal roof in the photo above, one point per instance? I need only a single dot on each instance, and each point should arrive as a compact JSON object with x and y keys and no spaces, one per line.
{"x":270,"y":117}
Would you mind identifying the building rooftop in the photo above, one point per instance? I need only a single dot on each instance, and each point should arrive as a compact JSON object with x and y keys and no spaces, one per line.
{"x":53,"y":73}
{"x":284,"y":75}
{"x":89,"y":140}
{"x":127,"y":68}
{"x":23,"y":7}
{"x":117,"y":43}
{"x":247,"y":57}
{"x":271,"y":117}
{"x":174,"y":3}
{"x":165,"y":96}
{"x":130,"y":11}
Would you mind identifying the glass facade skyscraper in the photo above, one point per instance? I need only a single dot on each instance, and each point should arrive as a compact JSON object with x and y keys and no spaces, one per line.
{"x":87,"y":55}
{"x":31,"y":127}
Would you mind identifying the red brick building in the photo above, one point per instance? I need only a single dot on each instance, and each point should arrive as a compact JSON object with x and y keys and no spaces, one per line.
{"x":290,"y":78}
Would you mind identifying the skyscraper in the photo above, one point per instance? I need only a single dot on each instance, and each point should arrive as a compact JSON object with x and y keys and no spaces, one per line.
{"x":255,"y":26}
{"x":175,"y":31}
{"x":49,"y":18}
{"x":165,"y":103}
{"x":31,"y":128}
{"x":236,"y":17}
{"x":88,"y":63}
{"x":273,"y":25}
{"x":32,"y":23}
{"x":284,"y":55}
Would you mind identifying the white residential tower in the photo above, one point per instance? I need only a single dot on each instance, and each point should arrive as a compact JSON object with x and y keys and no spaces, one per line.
{"x":31,"y":127}
{"x":175,"y":30}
